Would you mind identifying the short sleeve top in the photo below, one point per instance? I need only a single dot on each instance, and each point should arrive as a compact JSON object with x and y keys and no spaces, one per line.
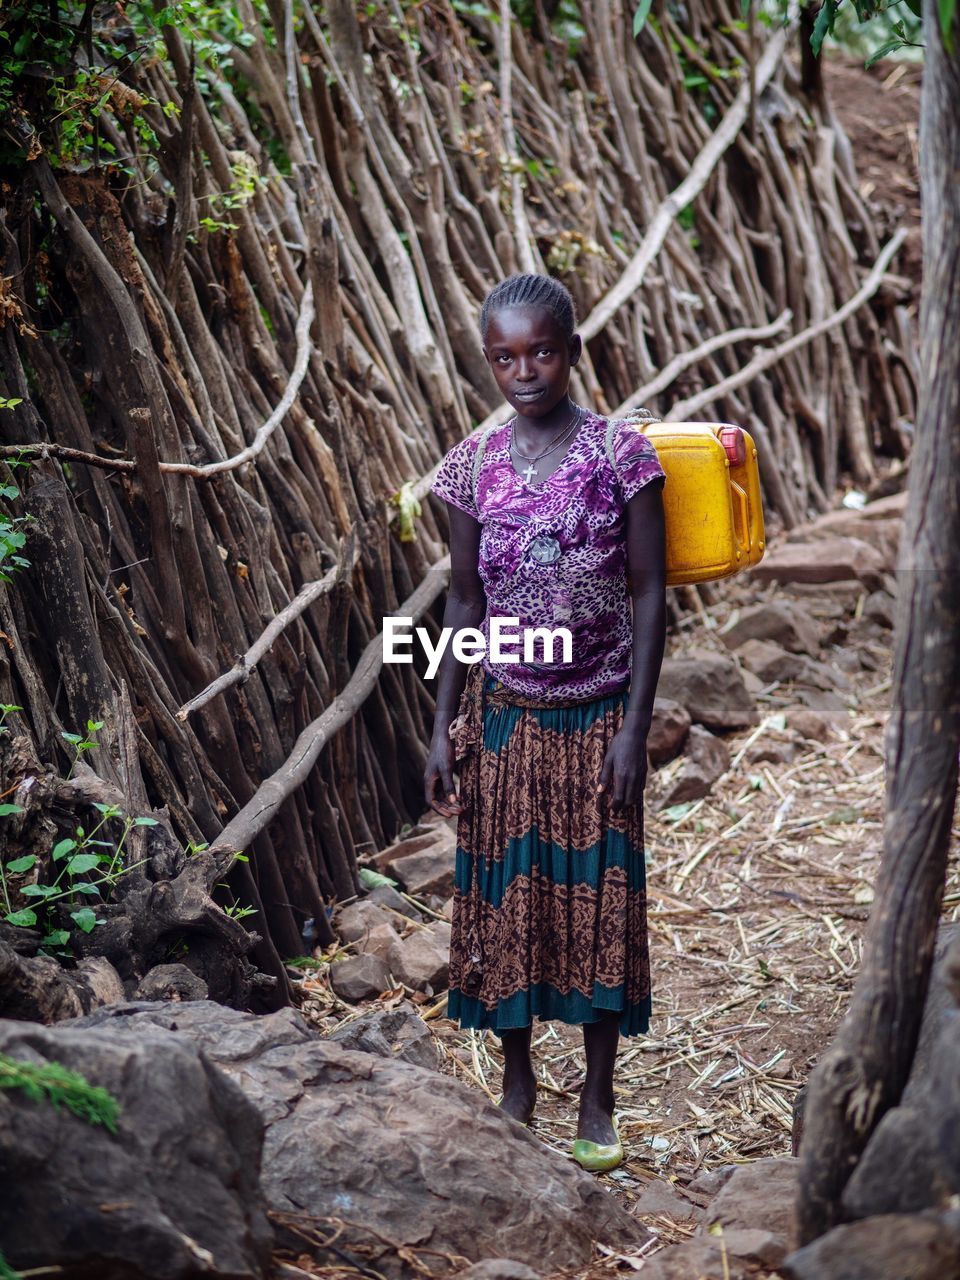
{"x":554,"y":555}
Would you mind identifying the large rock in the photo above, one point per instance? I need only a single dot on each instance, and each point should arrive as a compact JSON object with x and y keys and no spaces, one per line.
{"x":359,"y":977}
{"x":394,"y":1152}
{"x":170,"y":982}
{"x":429,"y":869}
{"x":829,"y":559}
{"x":711,"y":688}
{"x":737,"y":1254}
{"x":391,"y":1033}
{"x":922,"y":1246}
{"x":421,"y":960}
{"x":668,"y":730}
{"x":880,"y":530}
{"x":707,"y":759}
{"x":354,"y":922}
{"x":772,"y":664}
{"x":174,"y":1194}
{"x":760,"y":1196}
{"x":808,"y":723}
{"x":781,"y":621}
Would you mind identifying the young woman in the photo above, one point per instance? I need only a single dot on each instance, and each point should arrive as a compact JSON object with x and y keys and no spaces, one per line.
{"x":549,"y":914}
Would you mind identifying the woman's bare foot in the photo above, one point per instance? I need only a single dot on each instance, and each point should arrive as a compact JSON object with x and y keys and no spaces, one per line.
{"x":595,"y":1120}
{"x":519,"y":1095}
{"x":519,"y":1081}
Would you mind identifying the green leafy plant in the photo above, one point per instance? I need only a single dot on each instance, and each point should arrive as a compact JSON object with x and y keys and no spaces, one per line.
{"x":81,"y":743}
{"x":84,"y":866}
{"x":6,"y":1271}
{"x":60,"y":1087}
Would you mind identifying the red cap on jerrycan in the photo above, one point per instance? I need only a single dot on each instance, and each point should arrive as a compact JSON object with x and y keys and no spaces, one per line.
{"x":734,"y":445}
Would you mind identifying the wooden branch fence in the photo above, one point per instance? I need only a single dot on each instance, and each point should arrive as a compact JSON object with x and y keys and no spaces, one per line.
{"x":368,"y":176}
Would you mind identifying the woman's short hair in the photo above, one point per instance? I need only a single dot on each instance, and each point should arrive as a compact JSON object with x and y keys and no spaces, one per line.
{"x":530,"y":291}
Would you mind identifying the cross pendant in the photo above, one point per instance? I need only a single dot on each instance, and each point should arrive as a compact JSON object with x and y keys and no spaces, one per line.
{"x":531,"y":470}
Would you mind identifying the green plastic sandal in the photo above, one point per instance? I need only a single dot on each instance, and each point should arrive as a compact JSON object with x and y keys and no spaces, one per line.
{"x":597,"y":1157}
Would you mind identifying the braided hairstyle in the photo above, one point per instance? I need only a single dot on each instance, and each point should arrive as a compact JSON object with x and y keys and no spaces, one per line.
{"x":530,"y":291}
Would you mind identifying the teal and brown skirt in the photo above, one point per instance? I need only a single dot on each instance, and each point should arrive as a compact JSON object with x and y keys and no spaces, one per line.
{"x":549,"y":909}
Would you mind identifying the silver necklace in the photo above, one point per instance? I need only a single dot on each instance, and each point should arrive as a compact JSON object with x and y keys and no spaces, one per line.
{"x":530,"y":471}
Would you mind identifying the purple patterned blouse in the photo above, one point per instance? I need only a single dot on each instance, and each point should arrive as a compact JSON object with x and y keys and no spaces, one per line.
{"x":581,"y":507}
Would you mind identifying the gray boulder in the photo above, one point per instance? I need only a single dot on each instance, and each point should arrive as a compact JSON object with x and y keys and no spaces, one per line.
{"x":360,"y":977}
{"x":172,"y":1195}
{"x":394,"y":1152}
{"x":390,"y":1033}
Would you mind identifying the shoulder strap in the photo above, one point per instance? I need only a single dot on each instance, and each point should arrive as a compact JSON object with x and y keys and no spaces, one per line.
{"x":478,"y":457}
{"x":637,"y":415}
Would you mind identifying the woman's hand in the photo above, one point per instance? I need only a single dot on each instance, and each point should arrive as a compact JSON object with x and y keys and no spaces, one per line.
{"x":439,"y":769}
{"x":624,"y":769}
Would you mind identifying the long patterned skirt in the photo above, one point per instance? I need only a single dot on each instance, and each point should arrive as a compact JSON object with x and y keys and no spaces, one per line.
{"x":549,"y":910}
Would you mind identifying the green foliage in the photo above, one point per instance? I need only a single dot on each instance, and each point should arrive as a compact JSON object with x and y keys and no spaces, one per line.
{"x":82,"y":866}
{"x":61,"y":1087}
{"x":62,"y":69}
{"x":6,"y":1271}
{"x":640,"y":16}
{"x":12,"y":535}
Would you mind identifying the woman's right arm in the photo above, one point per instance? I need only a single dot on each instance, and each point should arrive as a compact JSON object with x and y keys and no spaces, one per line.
{"x":466,"y":607}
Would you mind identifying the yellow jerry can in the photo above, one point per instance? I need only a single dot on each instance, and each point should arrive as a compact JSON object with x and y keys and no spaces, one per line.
{"x":711,"y":498}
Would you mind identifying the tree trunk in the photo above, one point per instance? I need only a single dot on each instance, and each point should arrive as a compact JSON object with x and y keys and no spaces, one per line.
{"x":864,"y":1071}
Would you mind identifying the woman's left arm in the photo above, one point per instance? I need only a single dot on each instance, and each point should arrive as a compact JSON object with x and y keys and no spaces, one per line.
{"x":625,"y":766}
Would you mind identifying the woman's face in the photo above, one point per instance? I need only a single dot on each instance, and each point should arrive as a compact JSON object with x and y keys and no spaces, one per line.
{"x":530,"y":358}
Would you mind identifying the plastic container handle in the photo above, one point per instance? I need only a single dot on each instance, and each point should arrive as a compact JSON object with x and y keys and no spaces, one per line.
{"x":741,"y":519}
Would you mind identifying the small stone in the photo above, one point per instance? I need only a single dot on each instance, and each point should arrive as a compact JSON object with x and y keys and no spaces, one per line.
{"x":387,"y":897}
{"x":698,"y":1259}
{"x":422,"y":959}
{"x":769,"y":662}
{"x":754,"y":1245}
{"x":498,"y":1269}
{"x":662,"y":1199}
{"x":808,"y":724}
{"x":668,"y":730}
{"x":753,"y":684}
{"x":774,"y":665}
{"x":355,"y":921}
{"x":828,"y":705}
{"x":772,"y":751}
{"x":782,"y":621}
{"x":880,"y":607}
{"x":424,"y":836}
{"x":380,"y":942}
{"x":711,"y":688}
{"x":710,"y":1181}
{"x":429,"y":870}
{"x":359,"y":978}
{"x":707,"y":760}
{"x":170,"y":982}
